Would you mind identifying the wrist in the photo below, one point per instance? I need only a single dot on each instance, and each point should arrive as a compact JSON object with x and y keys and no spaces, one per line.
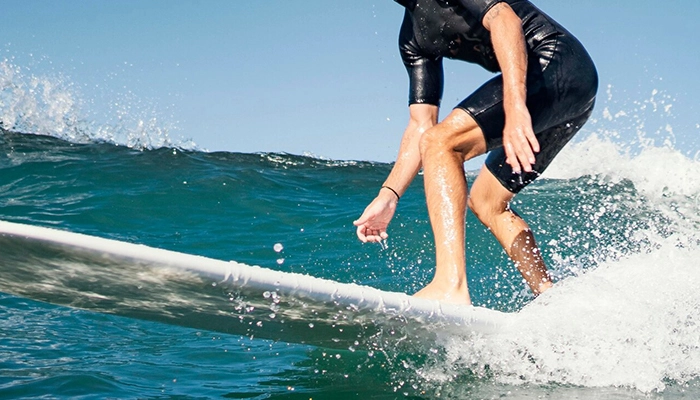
{"x":391,"y":191}
{"x":515,"y":104}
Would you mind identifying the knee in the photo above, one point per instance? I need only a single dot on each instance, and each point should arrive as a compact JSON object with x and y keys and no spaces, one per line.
{"x":432,"y":141}
{"x":451,"y":138}
{"x":440,"y":141}
{"x":476,"y":207}
{"x":485,"y":208}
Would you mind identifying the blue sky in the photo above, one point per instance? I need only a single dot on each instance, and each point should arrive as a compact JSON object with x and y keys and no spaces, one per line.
{"x":319,"y":77}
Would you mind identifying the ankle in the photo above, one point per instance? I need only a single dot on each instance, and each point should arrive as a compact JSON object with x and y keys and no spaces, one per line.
{"x":449,"y":284}
{"x":543,"y":287}
{"x":454,"y":294}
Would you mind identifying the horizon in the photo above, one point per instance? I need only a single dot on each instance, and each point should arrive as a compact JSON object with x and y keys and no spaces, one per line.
{"x":328,"y":81}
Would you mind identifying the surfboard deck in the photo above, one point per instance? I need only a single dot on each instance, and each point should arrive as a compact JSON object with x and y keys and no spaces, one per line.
{"x":132,"y":280}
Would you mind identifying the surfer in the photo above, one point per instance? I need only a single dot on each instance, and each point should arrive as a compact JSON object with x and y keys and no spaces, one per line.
{"x":522,"y":117}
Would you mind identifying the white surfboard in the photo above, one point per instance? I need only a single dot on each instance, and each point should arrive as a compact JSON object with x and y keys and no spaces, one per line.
{"x":132,"y":280}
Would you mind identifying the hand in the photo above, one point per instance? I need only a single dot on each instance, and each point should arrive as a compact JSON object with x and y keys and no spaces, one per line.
{"x":372,"y":224}
{"x":519,"y":141}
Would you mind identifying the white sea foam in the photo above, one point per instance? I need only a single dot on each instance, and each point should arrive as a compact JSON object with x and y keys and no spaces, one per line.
{"x":51,"y":105}
{"x":631,"y":323}
{"x":633,"y":320}
{"x":655,"y":171}
{"x":665,"y":176}
{"x":636,"y":142}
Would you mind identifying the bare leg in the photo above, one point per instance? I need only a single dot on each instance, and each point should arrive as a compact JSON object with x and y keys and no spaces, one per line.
{"x":489,"y":202}
{"x":444,"y":148}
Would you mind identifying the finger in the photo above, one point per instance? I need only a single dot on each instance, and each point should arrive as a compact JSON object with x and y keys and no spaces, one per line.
{"x":373,"y":239}
{"x":523,"y":155}
{"x":523,"y":150}
{"x":367,"y":235}
{"x":361,"y":230}
{"x":534,"y":143}
{"x":377,"y":235}
{"x":511,"y":159}
{"x":526,"y":159}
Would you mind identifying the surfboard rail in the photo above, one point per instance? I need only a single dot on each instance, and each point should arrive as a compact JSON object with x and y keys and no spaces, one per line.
{"x":134,"y":280}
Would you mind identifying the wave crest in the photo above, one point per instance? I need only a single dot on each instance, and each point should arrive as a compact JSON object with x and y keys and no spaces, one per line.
{"x":52,"y":106}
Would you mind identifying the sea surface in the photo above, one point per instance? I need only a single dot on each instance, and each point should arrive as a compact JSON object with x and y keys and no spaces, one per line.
{"x":619,"y":227}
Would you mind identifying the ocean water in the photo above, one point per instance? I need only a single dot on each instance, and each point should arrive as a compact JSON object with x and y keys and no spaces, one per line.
{"x":618,"y":221}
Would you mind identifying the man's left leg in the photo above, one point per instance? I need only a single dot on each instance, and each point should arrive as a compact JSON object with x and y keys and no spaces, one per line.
{"x":489,"y":201}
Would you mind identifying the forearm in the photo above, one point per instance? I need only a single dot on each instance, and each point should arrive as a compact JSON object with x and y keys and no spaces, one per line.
{"x":519,"y":140}
{"x":408,"y":160}
{"x":509,"y":45}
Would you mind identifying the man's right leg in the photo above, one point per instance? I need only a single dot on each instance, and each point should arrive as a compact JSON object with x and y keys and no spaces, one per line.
{"x":444,"y":148}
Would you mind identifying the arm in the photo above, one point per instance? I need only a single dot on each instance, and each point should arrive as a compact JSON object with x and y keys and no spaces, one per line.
{"x":421,"y":118}
{"x":508,"y":40}
{"x":371,"y":226}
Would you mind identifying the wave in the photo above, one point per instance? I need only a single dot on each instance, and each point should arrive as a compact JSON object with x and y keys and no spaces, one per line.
{"x":629,"y":323}
{"x":617,"y":213}
{"x":625,"y":310}
{"x":53,"y":106}
{"x":657,"y":172}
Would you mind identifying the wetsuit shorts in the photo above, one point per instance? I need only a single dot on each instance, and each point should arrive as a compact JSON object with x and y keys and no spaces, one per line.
{"x":561,"y":85}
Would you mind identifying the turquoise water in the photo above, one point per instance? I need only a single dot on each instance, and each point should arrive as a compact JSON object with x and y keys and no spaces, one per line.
{"x":621,"y":323}
{"x":617,"y":219}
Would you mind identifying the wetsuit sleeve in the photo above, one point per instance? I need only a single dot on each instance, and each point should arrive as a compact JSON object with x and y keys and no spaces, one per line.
{"x":478,"y":8}
{"x":409,"y":4}
{"x":425,"y":74}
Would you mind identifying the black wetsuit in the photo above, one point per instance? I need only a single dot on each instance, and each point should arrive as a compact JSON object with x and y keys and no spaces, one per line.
{"x":561,"y":79}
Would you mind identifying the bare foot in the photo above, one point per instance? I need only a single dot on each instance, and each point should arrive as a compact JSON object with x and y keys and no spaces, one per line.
{"x":434,"y":291}
{"x":544,"y":286}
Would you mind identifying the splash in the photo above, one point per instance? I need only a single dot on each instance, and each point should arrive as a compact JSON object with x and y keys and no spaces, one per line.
{"x":655,"y":171}
{"x":627,"y":324}
{"x":630,"y":323}
{"x":664,"y":176}
{"x":630,"y":317}
{"x":53,"y":106}
{"x":636,"y":144}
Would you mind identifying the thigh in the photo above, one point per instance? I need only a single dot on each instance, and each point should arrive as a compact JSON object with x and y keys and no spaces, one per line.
{"x":551,"y":141}
{"x":561,"y":95}
{"x":458,"y":132}
{"x":561,"y":86}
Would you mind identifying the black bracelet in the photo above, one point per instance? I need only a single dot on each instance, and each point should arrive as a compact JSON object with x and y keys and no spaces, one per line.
{"x":397,"y":195}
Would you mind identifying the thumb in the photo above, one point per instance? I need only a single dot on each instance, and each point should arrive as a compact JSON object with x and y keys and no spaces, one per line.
{"x":363,"y":219}
{"x":360,"y":221}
